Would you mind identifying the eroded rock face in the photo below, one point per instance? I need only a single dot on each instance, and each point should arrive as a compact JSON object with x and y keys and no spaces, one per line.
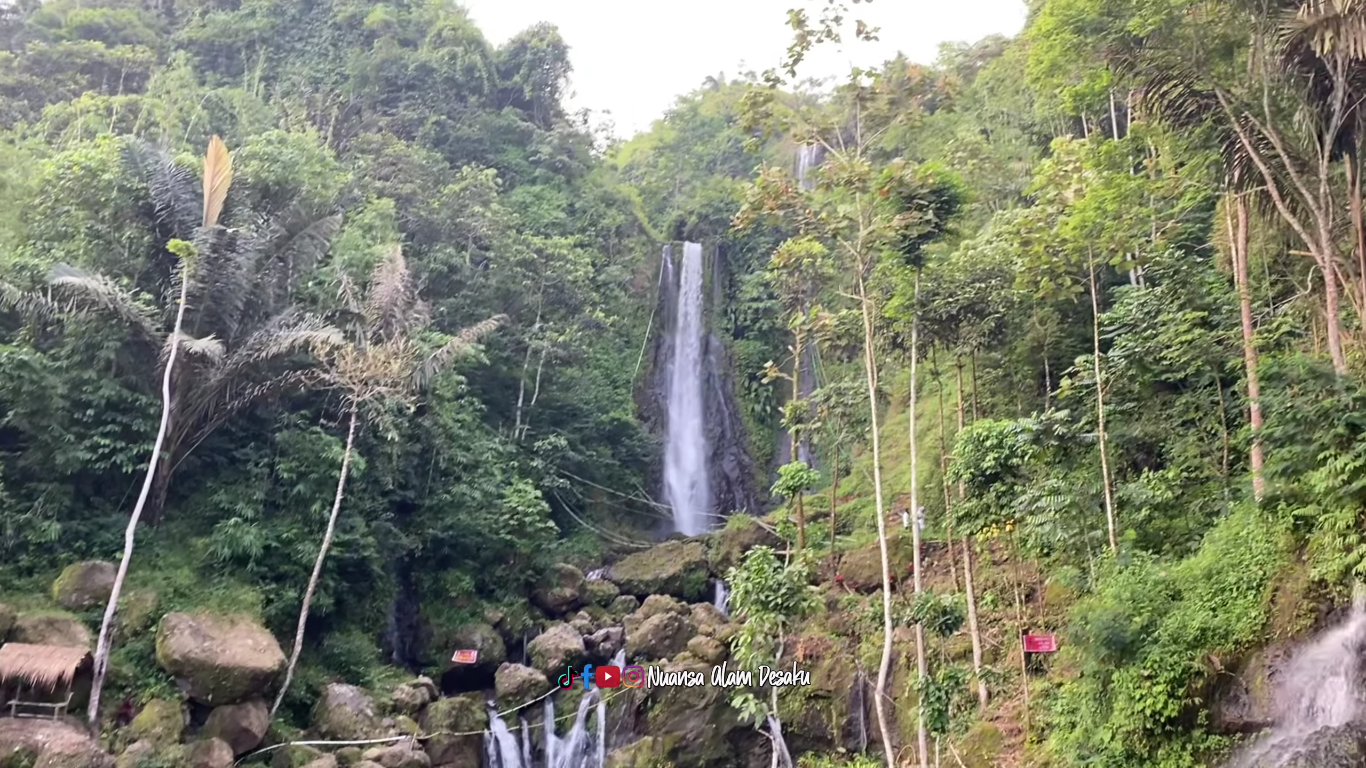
{"x":560,"y":590}
{"x":1242,"y":701}
{"x":50,"y":629}
{"x":1333,"y":747}
{"x":240,"y":726}
{"x":345,"y":713}
{"x":692,"y":724}
{"x":217,"y":659}
{"x":85,"y":584}
{"x":458,"y":714}
{"x":661,"y":636}
{"x":557,"y":648}
{"x":515,"y":684}
{"x":605,"y":643}
{"x":677,"y":568}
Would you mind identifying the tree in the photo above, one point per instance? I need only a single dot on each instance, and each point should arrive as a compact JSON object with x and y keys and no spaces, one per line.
{"x":217,"y":180}
{"x":384,"y":364}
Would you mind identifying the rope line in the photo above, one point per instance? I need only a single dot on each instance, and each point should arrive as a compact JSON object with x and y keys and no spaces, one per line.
{"x":424,"y":737}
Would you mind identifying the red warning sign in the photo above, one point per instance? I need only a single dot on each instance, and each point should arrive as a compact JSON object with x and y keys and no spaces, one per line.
{"x":465,"y":657}
{"x":1040,"y":644}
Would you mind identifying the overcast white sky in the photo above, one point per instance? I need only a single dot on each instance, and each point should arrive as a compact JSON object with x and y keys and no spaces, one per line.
{"x":634,"y":57}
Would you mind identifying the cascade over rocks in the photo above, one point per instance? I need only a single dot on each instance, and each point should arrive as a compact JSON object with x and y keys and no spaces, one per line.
{"x":218,"y":659}
{"x":242,"y":726}
{"x":50,"y":629}
{"x":85,"y":584}
{"x":677,"y":568}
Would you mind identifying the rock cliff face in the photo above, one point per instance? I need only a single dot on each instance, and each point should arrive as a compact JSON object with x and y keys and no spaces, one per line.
{"x":729,"y":464}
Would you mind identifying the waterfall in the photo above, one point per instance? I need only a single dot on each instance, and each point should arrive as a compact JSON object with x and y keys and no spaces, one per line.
{"x":579,"y":748}
{"x":808,"y":157}
{"x":500,"y":746}
{"x":1318,"y":688}
{"x":721,"y":597}
{"x":686,"y":486}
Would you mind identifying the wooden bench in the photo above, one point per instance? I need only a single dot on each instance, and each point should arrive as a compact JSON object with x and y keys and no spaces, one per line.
{"x":48,"y":710}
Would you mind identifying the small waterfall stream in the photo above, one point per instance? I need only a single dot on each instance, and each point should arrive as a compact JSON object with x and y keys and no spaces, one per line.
{"x":686,"y":486}
{"x":721,"y":597}
{"x":1318,"y":688}
{"x":580,"y":747}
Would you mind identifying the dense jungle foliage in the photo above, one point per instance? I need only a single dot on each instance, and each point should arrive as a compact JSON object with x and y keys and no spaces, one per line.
{"x":1114,"y":268}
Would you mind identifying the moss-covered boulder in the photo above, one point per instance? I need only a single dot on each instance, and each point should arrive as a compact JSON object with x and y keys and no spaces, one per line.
{"x":647,"y":752}
{"x":557,"y":648}
{"x":981,"y":747}
{"x":677,"y":568}
{"x":401,"y":755}
{"x":218,"y":659}
{"x":480,"y":637}
{"x":7,"y":617}
{"x":242,"y":726}
{"x":85,"y":584}
{"x":605,"y":643}
{"x":137,"y":611}
{"x":661,"y":636}
{"x":861,"y":569}
{"x":623,"y":605}
{"x":600,"y":592}
{"x":707,"y":616}
{"x":729,"y":544}
{"x":211,"y":753}
{"x":708,"y":649}
{"x":345,"y":713}
{"x":457,"y":714}
{"x":515,"y":685}
{"x":133,"y":755}
{"x":294,"y":756}
{"x":560,"y":590}
{"x":692,"y":723}
{"x":50,"y":629}
{"x":653,"y":606}
{"x":161,"y":723}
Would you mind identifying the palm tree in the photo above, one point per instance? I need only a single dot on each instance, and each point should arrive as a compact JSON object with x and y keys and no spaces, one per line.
{"x":384,"y":362}
{"x":217,"y":180}
{"x":233,"y":318}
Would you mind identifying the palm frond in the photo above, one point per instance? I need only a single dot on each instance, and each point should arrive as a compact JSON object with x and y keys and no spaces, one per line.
{"x":459,"y":345}
{"x":30,"y":304}
{"x":79,"y":292}
{"x":391,"y":303}
{"x":217,"y":179}
{"x":170,"y":185}
{"x":207,"y":347}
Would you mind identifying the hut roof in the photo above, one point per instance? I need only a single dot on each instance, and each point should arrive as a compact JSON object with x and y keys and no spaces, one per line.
{"x":40,"y":666}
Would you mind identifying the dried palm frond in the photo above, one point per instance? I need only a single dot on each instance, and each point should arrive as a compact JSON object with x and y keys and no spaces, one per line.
{"x":217,"y":180}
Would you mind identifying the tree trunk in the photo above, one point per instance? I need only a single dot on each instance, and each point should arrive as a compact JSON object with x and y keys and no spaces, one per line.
{"x":922,"y":668}
{"x":834,"y":501}
{"x":322,"y":555}
{"x":102,"y":646}
{"x":1100,"y":406}
{"x":973,"y":631}
{"x":795,"y":435}
{"x":1241,"y":277}
{"x":1332,"y":310}
{"x":870,"y":374}
{"x":1353,"y":162}
{"x":944,"y":475}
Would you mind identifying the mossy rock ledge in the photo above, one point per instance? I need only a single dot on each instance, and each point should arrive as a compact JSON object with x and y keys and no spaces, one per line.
{"x":85,"y":584}
{"x":456,"y":715}
{"x":218,"y":659}
{"x":677,"y":568}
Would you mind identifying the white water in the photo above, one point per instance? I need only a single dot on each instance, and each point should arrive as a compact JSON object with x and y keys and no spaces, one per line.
{"x":686,"y":487}
{"x":721,"y":597}
{"x":579,"y":748}
{"x":1318,"y":688}
{"x":808,"y":156}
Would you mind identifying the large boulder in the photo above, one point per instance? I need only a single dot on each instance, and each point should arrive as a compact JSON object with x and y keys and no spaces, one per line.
{"x":218,"y":659}
{"x":50,"y":629}
{"x":458,"y":714}
{"x":85,"y":584}
{"x":659,"y":637}
{"x":161,"y":723}
{"x":708,"y":649}
{"x":559,"y":590}
{"x":692,"y":723}
{"x":623,"y":604}
{"x":345,"y":713}
{"x":556,"y":649}
{"x":409,"y":698}
{"x":861,"y":569}
{"x":211,"y":753}
{"x":677,"y":568}
{"x":605,"y":643}
{"x":729,"y":544}
{"x":242,"y":726}
{"x":653,"y":606}
{"x":1341,"y":746}
{"x":297,"y":756}
{"x":401,"y":755}
{"x":600,"y":592}
{"x":50,"y":743}
{"x":137,"y":611}
{"x":515,"y":685}
{"x":479,"y":637}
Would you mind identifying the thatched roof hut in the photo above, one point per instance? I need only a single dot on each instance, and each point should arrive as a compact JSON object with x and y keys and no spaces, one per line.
{"x":45,"y":667}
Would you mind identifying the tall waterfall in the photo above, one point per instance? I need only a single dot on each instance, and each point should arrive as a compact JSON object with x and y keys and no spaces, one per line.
{"x":686,"y":486}
{"x":1318,"y":688}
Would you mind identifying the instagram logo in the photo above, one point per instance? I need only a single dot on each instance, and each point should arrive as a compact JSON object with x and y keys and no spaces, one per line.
{"x":633,"y":677}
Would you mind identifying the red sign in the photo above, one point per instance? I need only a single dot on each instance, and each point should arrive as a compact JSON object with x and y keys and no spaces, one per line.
{"x":1040,"y":644}
{"x":465,"y":657}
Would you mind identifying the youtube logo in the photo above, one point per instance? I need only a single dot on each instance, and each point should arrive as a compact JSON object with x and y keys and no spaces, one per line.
{"x":607,"y":677}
